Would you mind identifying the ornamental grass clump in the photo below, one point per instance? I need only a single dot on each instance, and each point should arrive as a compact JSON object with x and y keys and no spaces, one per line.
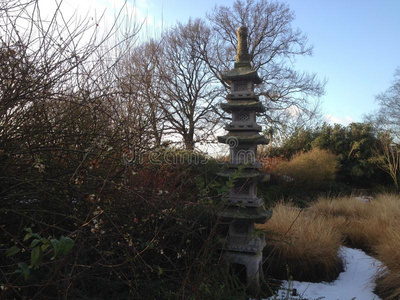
{"x":309,"y":169}
{"x":388,"y":279}
{"x":382,"y":216}
{"x":387,"y":249}
{"x":363,"y":224}
{"x":347,"y":215}
{"x":301,"y":246}
{"x":347,"y":207}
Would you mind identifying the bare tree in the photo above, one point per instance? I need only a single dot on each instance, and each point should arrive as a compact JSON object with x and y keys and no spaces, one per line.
{"x":187,"y":79}
{"x":140,"y":91}
{"x":190,"y":88}
{"x":387,"y":117}
{"x":387,"y":157}
{"x":386,"y":120}
{"x":57,"y":92}
{"x":273,"y":47}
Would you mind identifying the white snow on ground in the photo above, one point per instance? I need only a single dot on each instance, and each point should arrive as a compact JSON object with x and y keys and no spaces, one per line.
{"x":356,"y":282}
{"x":364,"y":199}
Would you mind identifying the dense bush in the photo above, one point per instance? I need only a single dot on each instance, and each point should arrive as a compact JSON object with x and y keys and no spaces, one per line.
{"x":356,"y":147}
{"x":149,"y":232}
{"x":309,"y":169}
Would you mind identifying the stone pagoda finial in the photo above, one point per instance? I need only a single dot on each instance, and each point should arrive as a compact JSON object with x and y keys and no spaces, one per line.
{"x":242,"y":52}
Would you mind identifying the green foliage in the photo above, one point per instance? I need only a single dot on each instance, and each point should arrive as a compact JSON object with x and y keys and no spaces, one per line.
{"x":353,"y":145}
{"x":38,"y":248}
{"x":61,"y":246}
{"x":299,"y":141}
{"x":12,"y":251}
{"x":24,"y":270}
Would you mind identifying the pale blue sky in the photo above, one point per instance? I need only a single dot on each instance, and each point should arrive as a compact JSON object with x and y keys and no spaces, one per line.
{"x":356,"y":45}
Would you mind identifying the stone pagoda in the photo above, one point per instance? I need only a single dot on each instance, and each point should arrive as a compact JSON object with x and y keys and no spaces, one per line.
{"x":243,"y":208}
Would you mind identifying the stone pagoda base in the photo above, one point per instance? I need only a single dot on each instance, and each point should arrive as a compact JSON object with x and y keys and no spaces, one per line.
{"x":252,"y":264}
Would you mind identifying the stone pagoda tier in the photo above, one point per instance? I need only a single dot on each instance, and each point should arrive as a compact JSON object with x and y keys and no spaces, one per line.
{"x":243,"y":208}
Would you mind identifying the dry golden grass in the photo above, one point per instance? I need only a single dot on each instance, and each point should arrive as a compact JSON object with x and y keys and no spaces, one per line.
{"x":388,"y":286}
{"x":308,"y":241}
{"x":308,"y":245}
{"x":310,"y":168}
{"x":388,"y":250}
{"x":346,"y":214}
{"x":386,"y":205}
{"x":372,"y":226}
{"x":347,"y":207}
{"x":388,"y":282}
{"x":362,"y":224}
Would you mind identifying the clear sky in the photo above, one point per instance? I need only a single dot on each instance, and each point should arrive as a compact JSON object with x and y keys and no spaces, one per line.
{"x":356,"y":47}
{"x":356,"y":44}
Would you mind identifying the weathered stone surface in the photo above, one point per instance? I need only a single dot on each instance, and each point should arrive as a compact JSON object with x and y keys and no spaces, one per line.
{"x":253,"y":265}
{"x":258,"y":215}
{"x":242,"y":70}
{"x":240,"y":127}
{"x":243,"y":208}
{"x":243,"y":105}
{"x":245,"y":174}
{"x":244,"y":139}
{"x":242,"y":73}
{"x":242,"y":96}
{"x":242,"y":55}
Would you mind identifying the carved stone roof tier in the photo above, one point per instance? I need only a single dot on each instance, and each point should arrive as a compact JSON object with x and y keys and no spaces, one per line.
{"x":243,"y":105}
{"x":245,"y":139}
{"x":242,"y":74}
{"x":248,"y":127}
{"x":248,"y":174}
{"x":244,"y":96}
{"x":257,"y":214}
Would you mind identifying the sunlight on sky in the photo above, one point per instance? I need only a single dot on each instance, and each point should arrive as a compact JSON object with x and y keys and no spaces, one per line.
{"x":344,"y":120}
{"x":356,"y":43}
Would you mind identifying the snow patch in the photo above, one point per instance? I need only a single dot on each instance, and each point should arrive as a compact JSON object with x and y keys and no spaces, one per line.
{"x":356,"y":282}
